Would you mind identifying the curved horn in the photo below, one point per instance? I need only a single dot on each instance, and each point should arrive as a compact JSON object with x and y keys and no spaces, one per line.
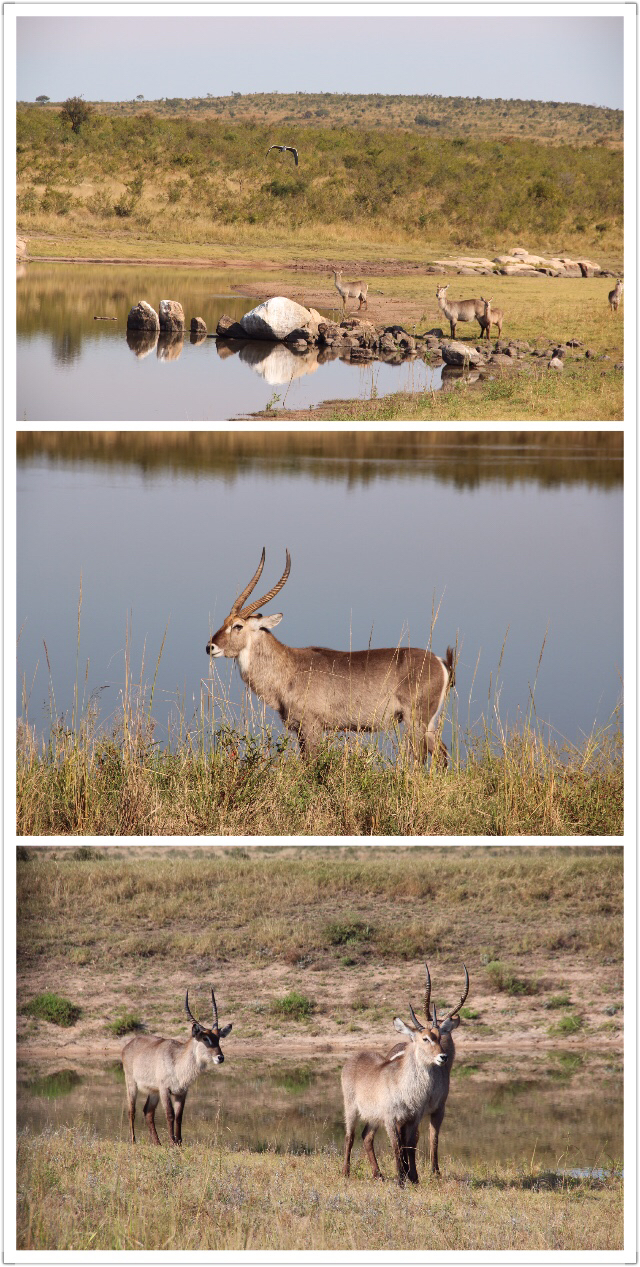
{"x":454,"y":1010}
{"x":252,"y":583}
{"x":248,"y":611}
{"x":427,"y":996}
{"x":215,"y":1010}
{"x":190,"y":1013}
{"x":415,"y":1020}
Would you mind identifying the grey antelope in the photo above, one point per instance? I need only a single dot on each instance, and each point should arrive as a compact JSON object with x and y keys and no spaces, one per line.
{"x":315,"y":689}
{"x":458,"y":309}
{"x":397,"y":1089}
{"x":490,"y":317}
{"x":350,"y":290}
{"x":615,"y":295}
{"x":164,"y":1068}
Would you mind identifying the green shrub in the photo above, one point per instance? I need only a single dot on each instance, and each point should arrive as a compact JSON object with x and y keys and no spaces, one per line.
{"x":53,"y":1008}
{"x":295,"y":1006}
{"x":504,"y":979}
{"x":124,"y":1024}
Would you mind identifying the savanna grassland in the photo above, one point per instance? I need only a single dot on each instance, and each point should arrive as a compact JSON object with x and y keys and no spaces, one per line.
{"x":312,"y":952}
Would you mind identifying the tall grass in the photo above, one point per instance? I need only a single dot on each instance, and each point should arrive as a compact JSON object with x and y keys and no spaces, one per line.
{"x":77,"y":1192}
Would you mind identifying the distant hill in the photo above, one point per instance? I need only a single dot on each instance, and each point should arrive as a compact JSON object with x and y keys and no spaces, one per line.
{"x":547,"y":122}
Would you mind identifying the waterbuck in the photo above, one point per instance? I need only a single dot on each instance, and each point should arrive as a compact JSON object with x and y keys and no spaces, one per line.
{"x":397,"y":1089}
{"x":615,"y":295}
{"x":458,"y":309}
{"x":350,"y":290}
{"x":164,"y":1068}
{"x":490,"y":317}
{"x":316,"y":689}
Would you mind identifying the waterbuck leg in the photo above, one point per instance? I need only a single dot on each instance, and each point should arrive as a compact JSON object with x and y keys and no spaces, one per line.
{"x":171,"y":1117}
{"x":367,"y":1139}
{"x":409,"y":1149}
{"x":434,"y":1131}
{"x":398,"y":1152}
{"x":149,"y":1111}
{"x":132,"y":1118}
{"x":179,"y":1111}
{"x":348,"y":1145}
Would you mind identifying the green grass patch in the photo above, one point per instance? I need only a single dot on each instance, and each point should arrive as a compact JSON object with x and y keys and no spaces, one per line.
{"x":503,"y":978}
{"x":51,"y":1007}
{"x":295,"y":1006}
{"x":566,"y":1025}
{"x":126,"y":1023}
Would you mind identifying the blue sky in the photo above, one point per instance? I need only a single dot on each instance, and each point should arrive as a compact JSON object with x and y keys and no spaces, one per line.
{"x":114,"y":58}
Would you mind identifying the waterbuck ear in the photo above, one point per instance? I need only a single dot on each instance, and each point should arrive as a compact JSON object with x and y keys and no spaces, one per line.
{"x":227,"y":1030}
{"x":448,"y":1025}
{"x":401,"y":1027}
{"x":268,"y":622}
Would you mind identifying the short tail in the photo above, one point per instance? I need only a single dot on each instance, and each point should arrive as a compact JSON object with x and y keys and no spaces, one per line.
{"x":451,"y":668}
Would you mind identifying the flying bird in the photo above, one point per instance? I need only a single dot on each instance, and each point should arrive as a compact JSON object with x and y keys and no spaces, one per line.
{"x":282,"y":148}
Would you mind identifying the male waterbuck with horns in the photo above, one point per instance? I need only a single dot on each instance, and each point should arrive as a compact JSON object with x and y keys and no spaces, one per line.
{"x":316,"y":689}
{"x":164,"y":1068}
{"x":396,"y":1090}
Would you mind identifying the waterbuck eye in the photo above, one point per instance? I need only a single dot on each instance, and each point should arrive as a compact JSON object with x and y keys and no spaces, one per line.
{"x":236,"y":627}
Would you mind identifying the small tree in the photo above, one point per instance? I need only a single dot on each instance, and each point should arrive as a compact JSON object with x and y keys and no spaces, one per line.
{"x":76,"y":111}
{"x":42,"y":99}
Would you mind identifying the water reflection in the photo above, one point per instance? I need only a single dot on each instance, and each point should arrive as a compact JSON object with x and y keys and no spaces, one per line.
{"x":297,"y":1107}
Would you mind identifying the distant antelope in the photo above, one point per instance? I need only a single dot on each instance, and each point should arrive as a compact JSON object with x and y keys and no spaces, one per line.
{"x":615,"y":295}
{"x":490,"y":317}
{"x":458,"y":309}
{"x":396,"y":1090}
{"x":350,"y":290}
{"x":315,"y":689}
{"x":164,"y":1068}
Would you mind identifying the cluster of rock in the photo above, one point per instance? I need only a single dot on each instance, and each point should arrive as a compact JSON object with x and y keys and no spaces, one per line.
{"x":519,"y":263}
{"x":169,"y":318}
{"x":354,"y":339}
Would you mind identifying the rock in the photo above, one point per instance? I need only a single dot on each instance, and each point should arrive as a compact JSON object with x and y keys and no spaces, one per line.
{"x":276,"y":318}
{"x":143,"y":317}
{"x":501,"y":358}
{"x":171,"y":315}
{"x":460,"y":354}
{"x":228,"y":329}
{"x":555,"y":363}
{"x":198,"y":326}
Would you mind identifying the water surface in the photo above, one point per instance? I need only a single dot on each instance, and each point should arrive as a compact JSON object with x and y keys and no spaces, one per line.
{"x":382,"y":552}
{"x":72,"y":367}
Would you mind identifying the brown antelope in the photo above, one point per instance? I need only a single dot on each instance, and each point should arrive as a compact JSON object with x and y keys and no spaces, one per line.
{"x":615,"y":295}
{"x":397,"y":1089}
{"x":458,"y":309}
{"x":490,"y":317}
{"x":316,"y":689}
{"x":350,"y":290}
{"x":164,"y":1068}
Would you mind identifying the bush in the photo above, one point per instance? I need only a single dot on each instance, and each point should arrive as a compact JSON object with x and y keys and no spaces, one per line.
{"x":51,"y":1007}
{"x":295,"y":1006}
{"x":504,"y":978}
{"x":124,"y":1024}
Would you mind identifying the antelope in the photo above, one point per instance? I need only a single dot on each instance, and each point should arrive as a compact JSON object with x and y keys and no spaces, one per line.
{"x":396,"y":1090}
{"x":458,"y":309}
{"x":315,"y":689}
{"x":490,"y":317}
{"x":615,"y":295}
{"x":350,"y":290}
{"x":164,"y":1068}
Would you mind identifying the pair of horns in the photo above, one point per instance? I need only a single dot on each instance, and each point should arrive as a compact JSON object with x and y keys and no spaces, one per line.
{"x":245,"y":612}
{"x":192,"y":1017}
{"x":427,"y":1000}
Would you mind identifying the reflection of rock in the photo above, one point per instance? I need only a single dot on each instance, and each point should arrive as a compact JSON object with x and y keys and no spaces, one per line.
{"x":171,"y":315}
{"x":143,"y":317}
{"x":225,"y":349}
{"x":278,"y":364}
{"x":276,"y":319}
{"x":142,"y":342}
{"x":198,"y":336}
{"x":170,"y":343}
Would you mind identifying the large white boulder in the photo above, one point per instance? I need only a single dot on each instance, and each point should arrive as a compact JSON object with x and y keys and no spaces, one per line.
{"x":276,"y":318}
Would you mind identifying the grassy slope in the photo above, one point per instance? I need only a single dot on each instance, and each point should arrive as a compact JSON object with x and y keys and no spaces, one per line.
{"x":116,"y":927}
